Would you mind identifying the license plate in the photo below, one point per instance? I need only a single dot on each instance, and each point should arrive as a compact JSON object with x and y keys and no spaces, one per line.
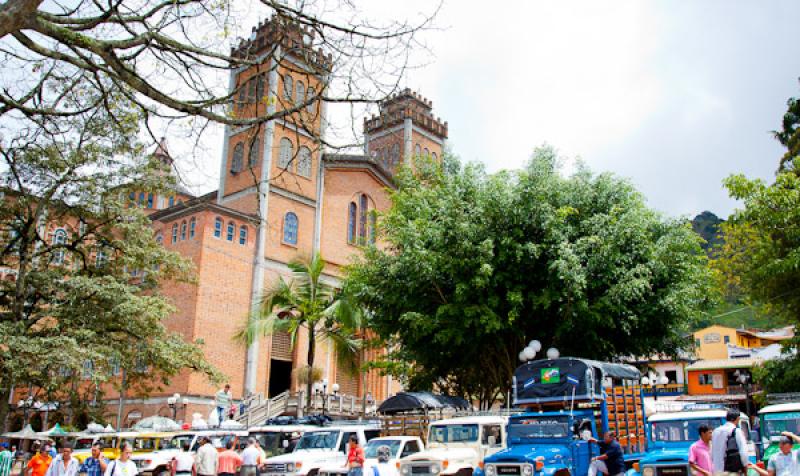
{"x":420,"y":469}
{"x":508,"y":470}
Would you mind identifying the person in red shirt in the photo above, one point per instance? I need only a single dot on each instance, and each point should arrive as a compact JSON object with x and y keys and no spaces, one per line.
{"x":229,"y":461}
{"x":355,"y":458}
{"x":38,"y":465}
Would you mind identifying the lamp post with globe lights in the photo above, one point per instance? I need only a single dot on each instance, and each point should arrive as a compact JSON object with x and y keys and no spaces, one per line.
{"x":321,"y":389}
{"x":533,"y":348}
{"x":174,"y":401}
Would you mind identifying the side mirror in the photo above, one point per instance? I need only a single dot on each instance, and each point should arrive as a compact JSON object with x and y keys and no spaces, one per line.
{"x":492,"y":440}
{"x":285,"y":444}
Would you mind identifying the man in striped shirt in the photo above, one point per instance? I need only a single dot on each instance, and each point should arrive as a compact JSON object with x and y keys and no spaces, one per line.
{"x":6,"y":460}
{"x":96,"y":464}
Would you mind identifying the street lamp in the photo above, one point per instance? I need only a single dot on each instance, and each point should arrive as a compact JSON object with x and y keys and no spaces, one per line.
{"x":173,"y":403}
{"x":744,"y":379}
{"x":321,"y":389}
{"x":534,"y":347}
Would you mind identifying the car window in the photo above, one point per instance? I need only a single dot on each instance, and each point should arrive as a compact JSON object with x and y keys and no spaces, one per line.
{"x":345,"y":440}
{"x":410,"y":448}
{"x":492,"y":430}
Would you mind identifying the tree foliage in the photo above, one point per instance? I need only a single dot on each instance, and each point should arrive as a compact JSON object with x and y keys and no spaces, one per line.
{"x":308,"y":302}
{"x":789,"y":134}
{"x":81,"y":301}
{"x":476,"y":265}
{"x":761,"y":256}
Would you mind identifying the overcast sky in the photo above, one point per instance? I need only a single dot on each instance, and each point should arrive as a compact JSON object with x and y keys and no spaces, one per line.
{"x":674,"y":95}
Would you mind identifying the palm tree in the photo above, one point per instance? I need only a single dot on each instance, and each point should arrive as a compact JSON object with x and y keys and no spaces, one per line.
{"x":305,"y":301}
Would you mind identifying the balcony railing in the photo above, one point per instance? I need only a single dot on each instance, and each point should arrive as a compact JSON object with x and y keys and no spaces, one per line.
{"x":670,"y":389}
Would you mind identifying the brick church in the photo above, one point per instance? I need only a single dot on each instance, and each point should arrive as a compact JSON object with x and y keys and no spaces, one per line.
{"x":312,"y":201}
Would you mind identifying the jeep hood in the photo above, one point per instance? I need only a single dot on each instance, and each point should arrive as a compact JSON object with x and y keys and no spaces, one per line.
{"x":666,"y":455}
{"x":306,"y":456}
{"x":552,"y":454}
{"x":441,"y":454}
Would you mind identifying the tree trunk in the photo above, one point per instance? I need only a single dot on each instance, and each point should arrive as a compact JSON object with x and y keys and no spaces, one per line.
{"x":5,"y":395}
{"x":310,"y":362}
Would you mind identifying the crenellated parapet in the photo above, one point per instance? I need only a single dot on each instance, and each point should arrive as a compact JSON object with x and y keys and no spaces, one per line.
{"x":294,"y":39}
{"x":406,"y":104}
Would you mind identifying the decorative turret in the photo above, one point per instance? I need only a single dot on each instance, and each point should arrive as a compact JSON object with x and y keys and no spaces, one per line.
{"x":404,"y":127}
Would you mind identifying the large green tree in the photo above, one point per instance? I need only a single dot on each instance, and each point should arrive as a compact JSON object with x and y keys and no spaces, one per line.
{"x":308,"y":301}
{"x":81,"y":302}
{"x":789,"y":134}
{"x":476,"y":265}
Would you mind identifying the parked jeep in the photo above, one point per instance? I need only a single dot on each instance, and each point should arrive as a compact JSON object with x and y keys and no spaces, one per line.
{"x":318,"y":448}
{"x":399,"y":447}
{"x":456,"y":446}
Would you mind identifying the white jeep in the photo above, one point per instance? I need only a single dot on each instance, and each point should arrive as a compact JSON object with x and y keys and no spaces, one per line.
{"x":456,"y":446}
{"x":399,"y":447}
{"x":326,"y":446}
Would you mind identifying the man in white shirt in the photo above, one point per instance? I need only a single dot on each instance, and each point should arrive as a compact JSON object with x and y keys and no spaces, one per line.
{"x":719,"y":444}
{"x":251,"y":458}
{"x":184,"y":461}
{"x":223,"y":400}
{"x":205,"y":461}
{"x":64,"y":464}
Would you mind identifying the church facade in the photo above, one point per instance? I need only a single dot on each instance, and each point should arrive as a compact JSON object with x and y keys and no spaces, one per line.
{"x":311,"y":201}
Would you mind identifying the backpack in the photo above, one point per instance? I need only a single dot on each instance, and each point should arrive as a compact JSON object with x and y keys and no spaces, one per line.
{"x":733,"y":459}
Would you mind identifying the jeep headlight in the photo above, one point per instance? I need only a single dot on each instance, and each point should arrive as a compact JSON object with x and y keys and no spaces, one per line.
{"x":290,"y":467}
{"x":491,"y":470}
{"x":527,"y":470}
{"x":404,"y":469}
{"x":648,"y":471}
{"x":435,"y":469}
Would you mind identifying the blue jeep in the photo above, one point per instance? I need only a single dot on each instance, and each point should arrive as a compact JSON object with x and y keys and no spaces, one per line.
{"x":567,"y":400}
{"x":671,"y":435}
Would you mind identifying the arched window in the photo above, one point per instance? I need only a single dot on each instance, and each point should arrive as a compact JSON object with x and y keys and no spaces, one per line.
{"x":426,"y":152}
{"x":149,"y":200}
{"x":372,"y":226}
{"x":417,"y":150}
{"x":159,"y":238}
{"x":100,"y":259}
{"x":251,"y":90}
{"x":290,"y":229}
{"x":218,"y":227}
{"x":395,"y":154}
{"x":435,"y":157}
{"x":260,"y":88}
{"x":88,"y":369}
{"x":288,"y":87}
{"x":231,"y":231}
{"x":243,"y":235}
{"x":311,"y":94}
{"x":304,"y":162}
{"x":174,"y":232}
{"x":141,"y":198}
{"x":183,"y":230}
{"x":238,"y":156}
{"x":362,"y":218}
{"x":285,"y":156}
{"x":132,"y":196}
{"x":301,"y":92}
{"x":59,"y":238}
{"x":252,"y":156}
{"x":192,"y":226}
{"x":171,"y":201}
{"x":242,"y":92}
{"x":351,"y":222}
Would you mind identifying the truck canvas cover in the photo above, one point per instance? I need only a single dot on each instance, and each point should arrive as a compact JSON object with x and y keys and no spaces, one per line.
{"x":543,"y":381}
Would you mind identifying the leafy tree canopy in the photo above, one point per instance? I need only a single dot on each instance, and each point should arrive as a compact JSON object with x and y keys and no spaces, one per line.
{"x":478,"y":264}
{"x":85,"y":264}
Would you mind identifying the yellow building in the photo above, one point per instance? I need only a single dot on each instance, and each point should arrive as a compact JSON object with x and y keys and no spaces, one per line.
{"x":714,"y":342}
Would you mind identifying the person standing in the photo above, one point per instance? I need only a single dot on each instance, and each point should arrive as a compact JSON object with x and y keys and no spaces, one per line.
{"x":6,"y":459}
{"x":206,"y":460}
{"x":251,"y":458}
{"x":183,"y":464}
{"x":700,"y":453}
{"x":37,"y":466}
{"x":355,"y":458}
{"x":229,"y":461}
{"x":96,"y":464}
{"x":383,"y":468}
{"x":64,"y":464}
{"x":611,"y":460}
{"x":223,"y":400}
{"x":729,"y":446}
{"x":123,"y":466}
{"x":785,"y":462}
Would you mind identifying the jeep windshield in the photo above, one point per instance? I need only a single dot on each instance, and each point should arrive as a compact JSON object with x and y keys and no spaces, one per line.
{"x":371,"y":450}
{"x":681,"y":430}
{"x":776,"y":423}
{"x":318,"y":440}
{"x":453,"y":433}
{"x":538,"y":427}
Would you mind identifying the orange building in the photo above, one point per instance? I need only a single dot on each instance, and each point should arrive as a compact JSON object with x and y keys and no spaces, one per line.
{"x":310,"y":200}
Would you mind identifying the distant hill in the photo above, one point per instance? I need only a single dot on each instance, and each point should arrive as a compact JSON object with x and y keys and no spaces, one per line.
{"x":707,"y":225}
